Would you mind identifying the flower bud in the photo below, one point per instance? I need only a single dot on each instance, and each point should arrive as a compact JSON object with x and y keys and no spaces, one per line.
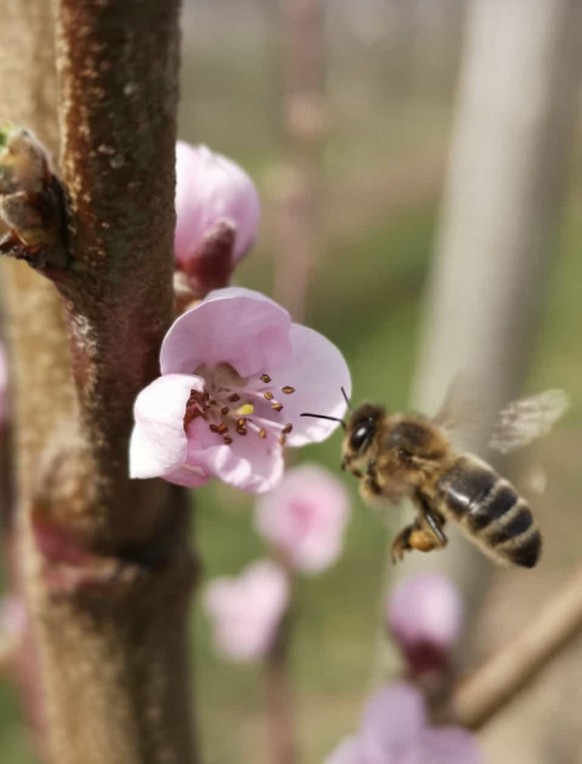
{"x":217,"y":215}
{"x":424,"y":616}
{"x":246,"y":610}
{"x":304,"y":517}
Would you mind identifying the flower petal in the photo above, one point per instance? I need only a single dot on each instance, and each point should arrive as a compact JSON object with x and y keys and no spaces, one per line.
{"x":394,"y":716}
{"x":447,"y":745}
{"x":349,"y":751}
{"x":158,"y":442}
{"x":233,"y":325}
{"x":317,"y":370}
{"x":251,"y":463}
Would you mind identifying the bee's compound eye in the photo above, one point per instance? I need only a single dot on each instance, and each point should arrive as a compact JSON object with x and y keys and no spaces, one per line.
{"x":361,"y":435}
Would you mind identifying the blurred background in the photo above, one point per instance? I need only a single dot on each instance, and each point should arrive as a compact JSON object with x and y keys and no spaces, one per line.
{"x":419,"y":167}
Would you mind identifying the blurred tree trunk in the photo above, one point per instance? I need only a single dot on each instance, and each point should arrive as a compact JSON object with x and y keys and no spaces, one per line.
{"x":499,"y":222}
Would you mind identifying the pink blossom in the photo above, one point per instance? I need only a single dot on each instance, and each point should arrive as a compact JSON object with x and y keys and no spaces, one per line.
{"x":217,"y":212}
{"x":246,"y":610}
{"x":393,"y":730}
{"x":3,"y":384}
{"x":236,"y":376}
{"x":425,"y":616}
{"x":304,"y":517}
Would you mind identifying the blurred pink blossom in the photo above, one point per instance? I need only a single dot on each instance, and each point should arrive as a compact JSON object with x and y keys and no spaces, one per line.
{"x":424,"y":614}
{"x":304,"y":517}
{"x":217,"y":214}
{"x":236,"y":376}
{"x":13,"y":617}
{"x":393,"y":730}
{"x":246,"y":610}
{"x":3,"y":384}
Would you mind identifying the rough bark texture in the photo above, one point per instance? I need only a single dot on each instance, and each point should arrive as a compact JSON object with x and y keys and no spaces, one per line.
{"x":107,"y":563}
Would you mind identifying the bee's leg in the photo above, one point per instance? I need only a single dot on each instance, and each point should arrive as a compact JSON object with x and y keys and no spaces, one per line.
{"x":425,"y":534}
{"x":435,"y":523}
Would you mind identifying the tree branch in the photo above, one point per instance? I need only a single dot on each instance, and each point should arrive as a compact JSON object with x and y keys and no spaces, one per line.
{"x":492,"y":686}
{"x":108,"y":568}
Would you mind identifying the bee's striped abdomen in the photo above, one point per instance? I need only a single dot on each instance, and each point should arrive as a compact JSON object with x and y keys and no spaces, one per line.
{"x":490,"y":510}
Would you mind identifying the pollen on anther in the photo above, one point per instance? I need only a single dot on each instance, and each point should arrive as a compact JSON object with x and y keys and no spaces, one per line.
{"x":262,"y":434}
{"x":227,"y":440}
{"x":222,"y":428}
{"x":288,"y":389}
{"x":213,"y":428}
{"x":234,"y":398}
{"x":265,"y":378}
{"x":268,"y":396}
{"x":241,"y":430}
{"x":277,"y":406}
{"x":224,"y":410}
{"x":287,"y":429}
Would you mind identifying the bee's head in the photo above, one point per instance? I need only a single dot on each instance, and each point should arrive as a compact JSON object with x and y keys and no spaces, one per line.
{"x":361,"y":430}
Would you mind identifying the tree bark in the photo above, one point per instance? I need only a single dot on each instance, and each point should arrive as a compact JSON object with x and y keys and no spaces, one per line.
{"x":107,"y":566}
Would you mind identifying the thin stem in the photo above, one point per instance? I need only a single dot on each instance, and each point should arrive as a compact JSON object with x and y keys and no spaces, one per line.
{"x":282,"y":744}
{"x":491,"y":687}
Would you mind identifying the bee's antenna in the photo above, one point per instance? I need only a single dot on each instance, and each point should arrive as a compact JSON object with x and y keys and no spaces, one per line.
{"x":324,"y":416}
{"x":347,"y":400}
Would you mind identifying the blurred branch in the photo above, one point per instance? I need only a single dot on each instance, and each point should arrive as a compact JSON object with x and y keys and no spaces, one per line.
{"x":492,"y":686}
{"x":502,"y":200}
{"x":279,"y":697}
{"x":298,"y":181}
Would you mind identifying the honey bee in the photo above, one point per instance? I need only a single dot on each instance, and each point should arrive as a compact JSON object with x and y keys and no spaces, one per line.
{"x":397,"y":456}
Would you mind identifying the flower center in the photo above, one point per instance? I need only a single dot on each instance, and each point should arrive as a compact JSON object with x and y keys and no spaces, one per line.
{"x":234,"y":405}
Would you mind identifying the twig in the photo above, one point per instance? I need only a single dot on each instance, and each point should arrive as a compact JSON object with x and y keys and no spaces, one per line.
{"x":492,"y":686}
{"x":279,"y":698}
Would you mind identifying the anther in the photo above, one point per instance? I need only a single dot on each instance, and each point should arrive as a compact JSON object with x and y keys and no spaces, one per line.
{"x":268,"y":396}
{"x":234,"y":398}
{"x":277,"y":406}
{"x":241,"y":422}
{"x":224,"y":410}
{"x":241,"y":430}
{"x":213,"y":428}
{"x":222,"y":428}
{"x":227,"y":440}
{"x":287,"y":429}
{"x":265,"y":378}
{"x":288,"y":389}
{"x":282,"y":440}
{"x":262,"y":433}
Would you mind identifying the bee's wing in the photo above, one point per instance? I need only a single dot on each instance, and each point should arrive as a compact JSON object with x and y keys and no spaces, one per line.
{"x":461,"y":413}
{"x":523,"y":421}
